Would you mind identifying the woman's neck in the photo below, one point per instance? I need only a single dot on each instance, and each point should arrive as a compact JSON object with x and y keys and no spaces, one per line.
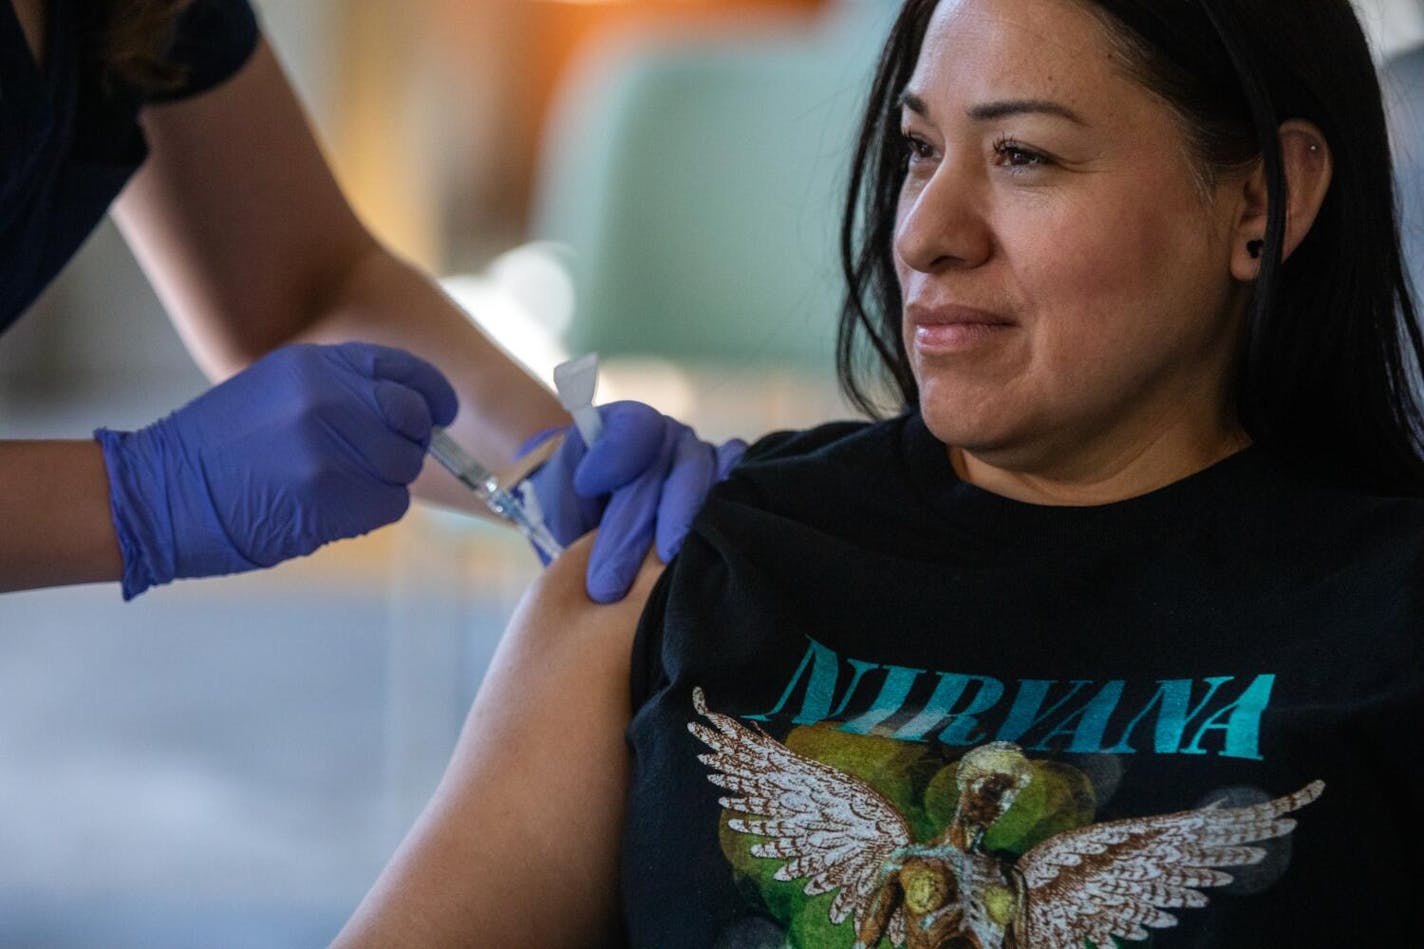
{"x":1103,"y":474}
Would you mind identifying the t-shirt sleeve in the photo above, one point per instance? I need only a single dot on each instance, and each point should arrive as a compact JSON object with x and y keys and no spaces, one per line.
{"x":645,"y":667}
{"x":214,"y":38}
{"x":799,"y":443}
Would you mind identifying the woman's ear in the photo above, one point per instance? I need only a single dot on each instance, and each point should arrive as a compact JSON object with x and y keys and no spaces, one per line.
{"x":1309,"y":168}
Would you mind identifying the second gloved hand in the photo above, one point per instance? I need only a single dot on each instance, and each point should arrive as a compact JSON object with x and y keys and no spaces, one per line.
{"x":307,"y":445}
{"x":642,"y":482}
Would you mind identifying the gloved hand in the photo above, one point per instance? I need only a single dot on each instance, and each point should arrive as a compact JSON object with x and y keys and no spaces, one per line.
{"x":307,"y":445}
{"x":643,"y":480}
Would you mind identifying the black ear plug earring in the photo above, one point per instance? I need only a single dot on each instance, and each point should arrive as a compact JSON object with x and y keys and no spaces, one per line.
{"x":1254,"y":249}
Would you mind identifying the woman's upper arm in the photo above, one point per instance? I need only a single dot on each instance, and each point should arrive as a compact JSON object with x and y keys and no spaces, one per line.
{"x":235,"y":215}
{"x":519,"y":845}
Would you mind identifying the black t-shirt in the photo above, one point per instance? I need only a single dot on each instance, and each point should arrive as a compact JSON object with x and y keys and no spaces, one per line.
{"x":68,"y":144}
{"x":929,"y":710}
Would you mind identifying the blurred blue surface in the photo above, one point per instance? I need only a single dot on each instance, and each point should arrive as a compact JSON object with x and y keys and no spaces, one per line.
{"x":129,"y":924}
{"x":206,"y":766}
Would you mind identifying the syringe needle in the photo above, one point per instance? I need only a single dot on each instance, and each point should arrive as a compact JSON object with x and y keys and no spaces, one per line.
{"x":483,"y":483}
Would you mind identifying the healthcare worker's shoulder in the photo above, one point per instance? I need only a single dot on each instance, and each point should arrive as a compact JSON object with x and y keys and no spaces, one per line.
{"x":213,"y":40}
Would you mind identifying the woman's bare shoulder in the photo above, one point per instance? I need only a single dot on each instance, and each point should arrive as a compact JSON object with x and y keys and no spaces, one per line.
{"x":544,"y":739}
{"x":558,"y":601}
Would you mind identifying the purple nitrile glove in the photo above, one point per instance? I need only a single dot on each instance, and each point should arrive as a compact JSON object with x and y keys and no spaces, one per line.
{"x":643,"y":481}
{"x":307,"y":445}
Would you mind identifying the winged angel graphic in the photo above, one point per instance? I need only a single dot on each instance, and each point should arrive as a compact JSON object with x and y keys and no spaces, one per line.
{"x":1094,"y":882}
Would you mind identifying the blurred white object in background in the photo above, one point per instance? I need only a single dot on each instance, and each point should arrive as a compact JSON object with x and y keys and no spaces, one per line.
{"x":524,"y":301}
{"x":1391,"y":25}
{"x":537,"y":276}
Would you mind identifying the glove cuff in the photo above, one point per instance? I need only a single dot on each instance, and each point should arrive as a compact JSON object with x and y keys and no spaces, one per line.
{"x":539,"y":438}
{"x":138,"y":524}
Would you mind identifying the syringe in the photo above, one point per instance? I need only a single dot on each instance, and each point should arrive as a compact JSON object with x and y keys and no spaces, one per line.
{"x":482,"y":481}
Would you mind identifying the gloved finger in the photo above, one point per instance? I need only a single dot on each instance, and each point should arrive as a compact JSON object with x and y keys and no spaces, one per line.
{"x":539,"y":438}
{"x":632,"y":437}
{"x":567,"y":515}
{"x":728,"y":454}
{"x":394,"y":459}
{"x":404,"y":410}
{"x":389,"y":506}
{"x":347,"y":514}
{"x":355,"y":427}
{"x":694,"y":471}
{"x":626,"y":531}
{"x":623,"y":540}
{"x":397,"y":365}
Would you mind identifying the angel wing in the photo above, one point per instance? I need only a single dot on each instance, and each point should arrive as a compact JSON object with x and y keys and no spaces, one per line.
{"x":827,"y":825}
{"x":1119,"y":878}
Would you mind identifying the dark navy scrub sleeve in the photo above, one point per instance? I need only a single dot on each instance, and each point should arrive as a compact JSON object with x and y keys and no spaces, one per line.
{"x":69,"y":142}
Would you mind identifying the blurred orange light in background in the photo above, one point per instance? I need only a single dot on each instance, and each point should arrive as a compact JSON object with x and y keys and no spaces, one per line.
{"x":454,"y":192}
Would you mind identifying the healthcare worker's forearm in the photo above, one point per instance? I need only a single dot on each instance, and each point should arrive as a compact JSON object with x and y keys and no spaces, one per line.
{"x":247,"y":238}
{"x":55,"y":523}
{"x":384,"y":300}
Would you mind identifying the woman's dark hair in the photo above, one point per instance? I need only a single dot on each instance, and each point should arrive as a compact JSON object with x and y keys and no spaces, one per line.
{"x":133,"y":42}
{"x":1334,"y":348}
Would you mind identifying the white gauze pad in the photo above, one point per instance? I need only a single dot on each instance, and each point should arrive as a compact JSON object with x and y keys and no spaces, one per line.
{"x":575,"y":381}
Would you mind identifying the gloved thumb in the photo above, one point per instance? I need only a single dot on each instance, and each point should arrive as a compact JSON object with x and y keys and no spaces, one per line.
{"x":632,"y":437}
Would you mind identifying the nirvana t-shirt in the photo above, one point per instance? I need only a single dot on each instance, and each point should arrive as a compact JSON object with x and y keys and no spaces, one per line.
{"x":876,"y":705}
{"x":69,"y":141}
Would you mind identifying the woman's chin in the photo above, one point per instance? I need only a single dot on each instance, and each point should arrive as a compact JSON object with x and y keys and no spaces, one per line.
{"x":959,"y":428}
{"x":991,"y":437}
{"x":963,"y":423}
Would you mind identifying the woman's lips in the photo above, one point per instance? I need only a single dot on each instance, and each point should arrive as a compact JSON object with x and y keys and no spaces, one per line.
{"x":955,"y":329}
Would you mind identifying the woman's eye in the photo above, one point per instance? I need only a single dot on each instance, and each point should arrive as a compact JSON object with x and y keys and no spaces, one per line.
{"x":1015,"y":157}
{"x":916,"y":148}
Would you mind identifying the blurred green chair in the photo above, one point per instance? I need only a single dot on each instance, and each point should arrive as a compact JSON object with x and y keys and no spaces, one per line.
{"x":699,"y":185}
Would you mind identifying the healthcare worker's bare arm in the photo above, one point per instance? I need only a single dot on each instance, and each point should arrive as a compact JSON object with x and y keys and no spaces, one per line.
{"x":55,"y":515}
{"x":239,"y":224}
{"x":519,"y":845}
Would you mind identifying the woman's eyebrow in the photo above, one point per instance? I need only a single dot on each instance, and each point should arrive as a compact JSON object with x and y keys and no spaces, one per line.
{"x":908,"y":100}
{"x":998,"y":110}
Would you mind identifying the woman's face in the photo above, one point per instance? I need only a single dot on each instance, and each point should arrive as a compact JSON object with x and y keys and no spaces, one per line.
{"x":1067,"y":290}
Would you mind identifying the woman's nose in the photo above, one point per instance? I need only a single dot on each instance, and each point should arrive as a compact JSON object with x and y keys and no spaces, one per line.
{"x":942,"y":224}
